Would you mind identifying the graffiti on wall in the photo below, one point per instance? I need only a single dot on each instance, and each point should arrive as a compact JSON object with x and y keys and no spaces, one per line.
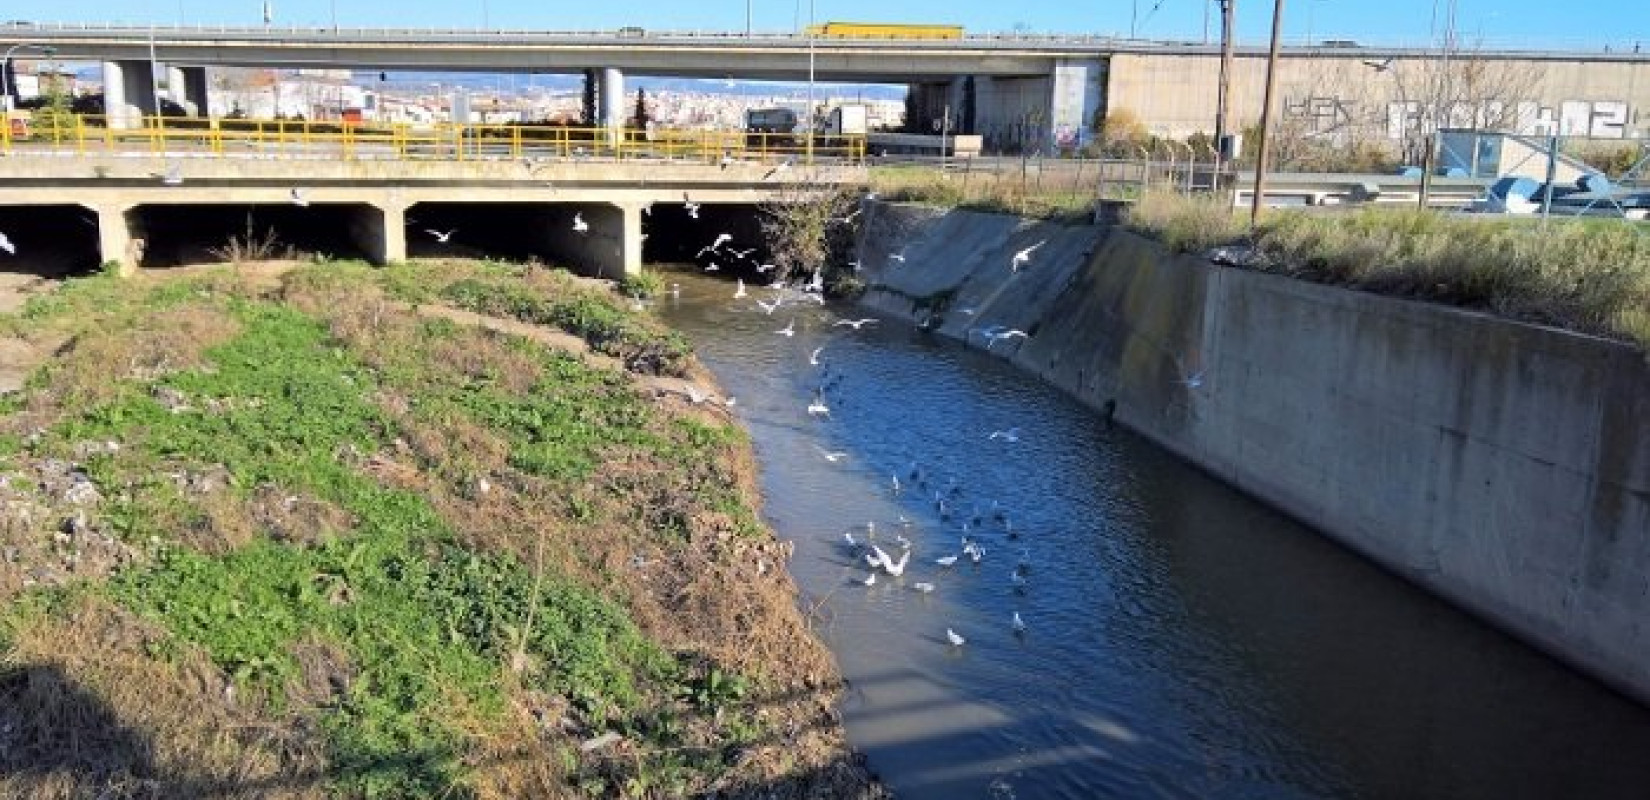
{"x":1598,"y":119}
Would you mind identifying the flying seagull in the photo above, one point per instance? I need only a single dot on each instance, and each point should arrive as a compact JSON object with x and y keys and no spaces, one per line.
{"x":1023,"y":257}
{"x":813,"y":358}
{"x":298,"y":198}
{"x":817,"y":408}
{"x":1010,"y":435}
{"x":6,"y":245}
{"x":1379,"y":66}
{"x":856,"y":324}
{"x":788,"y":330}
{"x":439,"y":236}
{"x":579,"y":225}
{"x":692,"y":207}
{"x":711,"y":248}
{"x":833,"y":456}
{"x":769,"y":308}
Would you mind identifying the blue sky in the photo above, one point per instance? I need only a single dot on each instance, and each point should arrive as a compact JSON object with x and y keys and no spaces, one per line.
{"x":1531,"y":23}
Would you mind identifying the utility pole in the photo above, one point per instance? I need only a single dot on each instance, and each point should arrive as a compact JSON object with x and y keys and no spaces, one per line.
{"x":1223,"y":103}
{"x":1266,"y":114}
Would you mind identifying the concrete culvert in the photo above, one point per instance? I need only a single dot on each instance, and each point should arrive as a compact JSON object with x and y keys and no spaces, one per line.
{"x":176,"y":235}
{"x":675,"y":237}
{"x":47,"y":242}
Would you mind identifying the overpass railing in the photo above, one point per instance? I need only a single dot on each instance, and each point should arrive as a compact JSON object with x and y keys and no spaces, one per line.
{"x":91,"y":134}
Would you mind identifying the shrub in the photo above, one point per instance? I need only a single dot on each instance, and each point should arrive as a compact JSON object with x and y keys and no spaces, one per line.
{"x":1187,"y":224}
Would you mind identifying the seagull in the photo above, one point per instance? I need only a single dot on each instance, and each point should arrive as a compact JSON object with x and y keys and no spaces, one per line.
{"x":894,"y":479}
{"x":966,"y":311}
{"x":813,"y":358}
{"x":849,"y":218}
{"x":856,"y":324}
{"x":832,"y":456}
{"x":760,"y":268}
{"x":778,"y":168}
{"x":954,"y":638}
{"x":6,"y":245}
{"x":873,"y":559}
{"x":712,"y":267}
{"x":1023,"y":257}
{"x":1379,"y":66}
{"x":742,"y":254}
{"x":945,"y":561}
{"x":870,"y":580}
{"x":900,"y":256}
{"x":849,"y":536}
{"x":788,"y":330}
{"x":1010,"y":435}
{"x":739,"y":292}
{"x":721,"y":238}
{"x":894,"y":568}
{"x":1019,"y":624}
{"x":817,"y":408}
{"x":579,"y":225}
{"x":854,"y":264}
{"x":924,"y":587}
{"x":996,"y":336}
{"x":1194,"y":381}
{"x":439,"y":236}
{"x":676,"y":290}
{"x":298,"y":198}
{"x":769,"y":308}
{"x":692,"y":207}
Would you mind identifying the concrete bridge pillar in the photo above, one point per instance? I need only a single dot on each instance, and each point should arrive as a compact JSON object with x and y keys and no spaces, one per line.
{"x":115,"y":242}
{"x":128,"y":92}
{"x":380,"y":231}
{"x":630,"y":245}
{"x":612,"y":102}
{"x":186,"y":86}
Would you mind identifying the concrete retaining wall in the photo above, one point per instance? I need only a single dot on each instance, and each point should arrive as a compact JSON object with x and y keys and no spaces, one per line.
{"x":1501,"y":465}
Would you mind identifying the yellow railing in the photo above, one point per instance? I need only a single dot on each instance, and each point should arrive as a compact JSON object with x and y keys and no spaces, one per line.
{"x":85,"y":134}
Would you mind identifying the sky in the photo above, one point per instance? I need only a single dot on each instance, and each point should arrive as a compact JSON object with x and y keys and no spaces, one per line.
{"x":1540,"y":24}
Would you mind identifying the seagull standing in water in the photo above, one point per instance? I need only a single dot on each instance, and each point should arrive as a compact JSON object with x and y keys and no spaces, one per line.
{"x":817,"y":408}
{"x":739,"y":293}
{"x":954,"y":638}
{"x":1010,"y":435}
{"x":1019,"y":624}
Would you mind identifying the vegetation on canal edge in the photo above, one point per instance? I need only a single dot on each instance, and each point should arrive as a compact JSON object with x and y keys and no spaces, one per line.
{"x":1064,"y":200}
{"x":1590,"y":276}
{"x":318,"y":533}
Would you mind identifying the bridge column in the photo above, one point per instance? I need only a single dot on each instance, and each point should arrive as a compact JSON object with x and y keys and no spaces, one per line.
{"x":630,"y":243}
{"x":114,"y":239}
{"x":128,"y":92}
{"x":186,"y":86}
{"x":380,"y":231}
{"x":1075,"y":94}
{"x":612,"y":100}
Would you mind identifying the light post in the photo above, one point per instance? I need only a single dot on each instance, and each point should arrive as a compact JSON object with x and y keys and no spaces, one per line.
{"x":5,"y":68}
{"x":809,"y":155}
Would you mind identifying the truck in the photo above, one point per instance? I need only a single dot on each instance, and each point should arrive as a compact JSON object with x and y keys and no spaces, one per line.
{"x":848,"y":119}
{"x":770,"y":120}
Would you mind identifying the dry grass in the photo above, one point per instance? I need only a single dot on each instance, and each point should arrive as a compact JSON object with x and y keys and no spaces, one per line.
{"x":1186,"y":223}
{"x":87,"y":712}
{"x":1593,"y":278}
{"x":1063,"y":193}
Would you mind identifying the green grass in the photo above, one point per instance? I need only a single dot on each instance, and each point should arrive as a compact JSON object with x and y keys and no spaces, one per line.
{"x":1060,"y":199}
{"x":423,"y":619}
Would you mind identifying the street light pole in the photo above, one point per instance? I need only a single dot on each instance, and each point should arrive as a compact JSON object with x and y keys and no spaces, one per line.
{"x":809,"y":132}
{"x":1266,"y":115}
{"x":1223,"y":101}
{"x":5,"y":69}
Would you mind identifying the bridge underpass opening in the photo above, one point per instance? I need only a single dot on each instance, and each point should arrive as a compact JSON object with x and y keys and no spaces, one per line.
{"x":675,"y":237}
{"x":54,"y":241}
{"x":548,"y":232}
{"x":211,"y":233}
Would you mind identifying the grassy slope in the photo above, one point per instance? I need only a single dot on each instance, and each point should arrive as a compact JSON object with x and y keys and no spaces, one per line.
{"x":352,"y":549}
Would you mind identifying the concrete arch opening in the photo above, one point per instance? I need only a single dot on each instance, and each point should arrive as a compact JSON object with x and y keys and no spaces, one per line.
{"x":210,"y":233}
{"x":675,"y":236}
{"x":588,"y":238}
{"x":49,"y":241}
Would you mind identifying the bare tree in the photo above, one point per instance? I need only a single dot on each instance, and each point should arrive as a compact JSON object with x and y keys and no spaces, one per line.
{"x":806,"y":223}
{"x":1460,"y":88}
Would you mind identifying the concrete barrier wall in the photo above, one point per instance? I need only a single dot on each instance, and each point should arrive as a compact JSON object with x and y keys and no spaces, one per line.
{"x":1501,"y":465}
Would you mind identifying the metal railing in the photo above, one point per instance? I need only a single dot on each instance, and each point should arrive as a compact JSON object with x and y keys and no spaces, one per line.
{"x":89,"y":134}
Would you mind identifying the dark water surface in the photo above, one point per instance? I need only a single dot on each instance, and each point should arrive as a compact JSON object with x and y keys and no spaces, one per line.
{"x":1182,"y":640}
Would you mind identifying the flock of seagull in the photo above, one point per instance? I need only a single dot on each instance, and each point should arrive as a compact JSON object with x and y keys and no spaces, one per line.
{"x":894,"y":560}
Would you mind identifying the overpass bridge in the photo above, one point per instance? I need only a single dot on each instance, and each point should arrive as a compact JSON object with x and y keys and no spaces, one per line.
{"x":600,"y":213}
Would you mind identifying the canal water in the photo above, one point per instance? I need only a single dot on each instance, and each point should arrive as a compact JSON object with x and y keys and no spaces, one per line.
{"x":1180,"y":639}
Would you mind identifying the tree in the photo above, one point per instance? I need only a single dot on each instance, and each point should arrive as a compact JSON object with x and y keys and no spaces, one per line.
{"x":1122,"y":134}
{"x":641,"y":118}
{"x":805,"y":225}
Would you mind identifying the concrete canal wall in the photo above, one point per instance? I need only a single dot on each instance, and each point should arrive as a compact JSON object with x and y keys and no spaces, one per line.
{"x":1501,"y":465}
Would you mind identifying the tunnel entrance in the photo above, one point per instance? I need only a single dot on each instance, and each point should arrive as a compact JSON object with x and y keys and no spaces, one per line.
{"x":178,"y":235}
{"x":507,"y":231}
{"x":55,"y":241}
{"x":674,"y":236}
